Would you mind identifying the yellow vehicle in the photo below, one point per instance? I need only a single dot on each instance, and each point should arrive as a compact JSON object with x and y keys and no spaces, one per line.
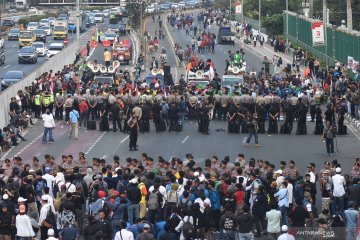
{"x":26,"y":38}
{"x":60,"y":30}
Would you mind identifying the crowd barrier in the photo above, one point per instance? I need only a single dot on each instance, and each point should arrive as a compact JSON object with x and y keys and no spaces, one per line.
{"x":56,"y":63}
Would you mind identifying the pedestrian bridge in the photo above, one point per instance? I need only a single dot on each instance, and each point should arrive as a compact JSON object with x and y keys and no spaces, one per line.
{"x":73,"y":2}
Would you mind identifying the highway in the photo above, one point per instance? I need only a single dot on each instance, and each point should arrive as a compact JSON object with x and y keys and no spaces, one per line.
{"x":12,"y":48}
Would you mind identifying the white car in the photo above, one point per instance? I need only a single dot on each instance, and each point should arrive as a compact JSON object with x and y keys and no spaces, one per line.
{"x":53,"y":49}
{"x":40,"y":48}
{"x":47,"y":30}
{"x":182,"y":4}
{"x":99,"y":18}
{"x":106,"y":13}
{"x":174,"y":5}
{"x":32,"y":10}
{"x":44,"y":22}
{"x":2,"y":43}
{"x":32,"y":26}
{"x":149,"y":9}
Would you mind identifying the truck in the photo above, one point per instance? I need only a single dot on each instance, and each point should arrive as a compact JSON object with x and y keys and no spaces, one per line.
{"x":21,"y":4}
{"x":26,"y":38}
{"x":60,"y":30}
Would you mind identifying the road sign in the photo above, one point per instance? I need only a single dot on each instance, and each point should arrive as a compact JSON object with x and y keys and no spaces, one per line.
{"x":318,"y":37}
{"x":238,"y":8}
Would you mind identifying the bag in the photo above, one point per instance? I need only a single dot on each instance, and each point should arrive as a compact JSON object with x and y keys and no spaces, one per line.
{"x":188,"y":229}
{"x":172,"y":193}
{"x":49,"y":220}
{"x":153,"y":202}
{"x":184,"y":205}
{"x":58,"y":201}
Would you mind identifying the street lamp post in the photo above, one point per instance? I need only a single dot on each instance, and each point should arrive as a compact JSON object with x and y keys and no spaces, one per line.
{"x":78,"y":24}
{"x":259,"y":15}
{"x":287,"y":24}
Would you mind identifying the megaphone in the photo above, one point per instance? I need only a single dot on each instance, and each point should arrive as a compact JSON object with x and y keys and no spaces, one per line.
{"x":111,"y":69}
{"x":95,"y":68}
{"x":90,"y":65}
{"x":199,"y":73}
{"x":154,"y":72}
{"x":116,"y":63}
{"x":103,"y":69}
{"x":235,"y":70}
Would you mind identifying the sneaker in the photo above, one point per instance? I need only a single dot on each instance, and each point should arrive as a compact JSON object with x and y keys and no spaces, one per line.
{"x":333,"y":154}
{"x":51,"y":141}
{"x":247,"y":145}
{"x":257,"y":145}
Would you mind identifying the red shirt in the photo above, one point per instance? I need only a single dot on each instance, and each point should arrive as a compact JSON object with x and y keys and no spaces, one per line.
{"x":83,"y":106}
{"x":239,"y":196}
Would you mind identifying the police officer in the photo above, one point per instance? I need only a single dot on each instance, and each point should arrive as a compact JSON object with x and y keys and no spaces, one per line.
{"x":312,"y":105}
{"x":204,"y":115}
{"x":46,"y":102}
{"x":193,"y":100}
{"x":37,"y":104}
{"x":319,"y":127}
{"x":224,"y":99}
{"x":217,"y":109}
{"x":59,"y":106}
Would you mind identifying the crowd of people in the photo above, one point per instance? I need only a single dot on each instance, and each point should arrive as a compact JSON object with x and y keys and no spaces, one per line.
{"x":143,"y":198}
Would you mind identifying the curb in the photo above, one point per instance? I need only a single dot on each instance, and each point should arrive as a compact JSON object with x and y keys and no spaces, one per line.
{"x":136,"y":44}
{"x":353,"y":120}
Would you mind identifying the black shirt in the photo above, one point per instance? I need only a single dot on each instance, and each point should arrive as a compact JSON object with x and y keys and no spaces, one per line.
{"x":298,"y":216}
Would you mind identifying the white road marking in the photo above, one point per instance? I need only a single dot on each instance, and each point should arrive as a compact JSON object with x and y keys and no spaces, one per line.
{"x":6,"y":66}
{"x":124,"y":139}
{"x":95,"y":142}
{"x":14,"y":45}
{"x":352,"y":130}
{"x":103,"y":157}
{"x":185,"y":139}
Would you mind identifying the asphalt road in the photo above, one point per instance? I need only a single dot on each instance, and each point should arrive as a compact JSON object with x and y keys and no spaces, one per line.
{"x":275,"y":148}
{"x":12,"y":48}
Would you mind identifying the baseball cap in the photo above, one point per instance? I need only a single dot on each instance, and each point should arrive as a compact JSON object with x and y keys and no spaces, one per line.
{"x":21,"y":199}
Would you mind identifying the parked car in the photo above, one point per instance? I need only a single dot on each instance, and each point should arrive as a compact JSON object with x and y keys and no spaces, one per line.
{"x":106,"y":13}
{"x":53,"y":49}
{"x":11,"y":77}
{"x":2,"y":43}
{"x":32,"y":26}
{"x":40,"y":35}
{"x":47,"y":30}
{"x":182,"y":4}
{"x":149,"y":9}
{"x":8,"y":23}
{"x":28,"y":54}
{"x":165,"y":6}
{"x":174,"y":5}
{"x":40,"y":48}
{"x":14,"y":34}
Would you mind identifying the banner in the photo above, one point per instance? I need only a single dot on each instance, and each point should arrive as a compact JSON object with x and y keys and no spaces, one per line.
{"x":238,"y":8}
{"x":318,"y":37}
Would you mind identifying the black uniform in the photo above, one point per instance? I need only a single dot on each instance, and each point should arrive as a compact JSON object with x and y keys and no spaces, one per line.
{"x":115,"y":114}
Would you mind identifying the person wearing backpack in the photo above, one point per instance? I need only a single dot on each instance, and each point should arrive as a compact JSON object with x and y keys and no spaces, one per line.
{"x":172,"y":195}
{"x":153,"y":199}
{"x":185,"y":202}
{"x":186,"y":227}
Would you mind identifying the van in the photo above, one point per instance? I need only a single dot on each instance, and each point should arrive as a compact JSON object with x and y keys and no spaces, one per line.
{"x":26,"y":38}
{"x":225,"y":35}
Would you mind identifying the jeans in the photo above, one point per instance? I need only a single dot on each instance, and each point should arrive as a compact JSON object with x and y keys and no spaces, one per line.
{"x":246,"y":236}
{"x":133,"y":213}
{"x":351,"y":233}
{"x":253,"y":133}
{"x":46,"y":132}
{"x":330,"y":145}
{"x":229,"y":235}
{"x":181,"y":118}
{"x":338,"y":202}
{"x":284,"y":218}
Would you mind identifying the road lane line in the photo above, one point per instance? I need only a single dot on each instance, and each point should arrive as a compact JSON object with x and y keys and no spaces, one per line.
{"x":124,"y":139}
{"x":6,"y":66}
{"x":352,"y":129}
{"x":95,"y":142}
{"x":185,"y":139}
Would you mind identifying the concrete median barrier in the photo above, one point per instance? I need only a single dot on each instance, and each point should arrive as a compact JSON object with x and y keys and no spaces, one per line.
{"x":56,"y":63}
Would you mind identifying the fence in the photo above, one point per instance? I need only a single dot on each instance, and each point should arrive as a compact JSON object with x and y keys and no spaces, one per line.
{"x":56,"y":63}
{"x":341,"y":42}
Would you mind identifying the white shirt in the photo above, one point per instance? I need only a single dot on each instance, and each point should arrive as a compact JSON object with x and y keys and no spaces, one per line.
{"x":49,"y":182}
{"x":273,"y":217}
{"x":312,"y":177}
{"x":70,"y":188}
{"x":338,"y":182}
{"x":125,"y":235}
{"x":23,"y":226}
{"x":43,"y":213}
{"x":48,"y":120}
{"x":52,"y":238}
{"x":290,"y":188}
{"x":286,"y":236}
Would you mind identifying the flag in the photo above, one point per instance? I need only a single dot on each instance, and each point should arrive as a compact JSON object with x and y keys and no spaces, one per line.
{"x":136,"y":90}
{"x":211,"y":71}
{"x":51,"y":80}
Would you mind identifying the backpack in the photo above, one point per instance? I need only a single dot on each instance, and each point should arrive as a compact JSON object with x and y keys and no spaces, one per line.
{"x":184,"y":205}
{"x":172,"y":195}
{"x":58,"y":201}
{"x":188,"y":229}
{"x":153,"y":202}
